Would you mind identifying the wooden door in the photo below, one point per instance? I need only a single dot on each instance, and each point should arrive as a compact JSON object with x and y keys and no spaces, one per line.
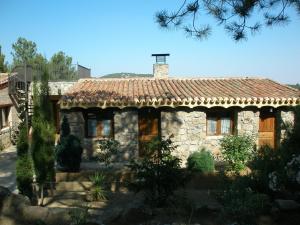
{"x":267,"y":127}
{"x":149,"y":127}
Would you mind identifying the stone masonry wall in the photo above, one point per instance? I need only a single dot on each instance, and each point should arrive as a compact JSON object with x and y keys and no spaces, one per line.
{"x":5,"y":137}
{"x":248,"y":123}
{"x":287,"y":120}
{"x":188,"y":128}
{"x":126,"y":132}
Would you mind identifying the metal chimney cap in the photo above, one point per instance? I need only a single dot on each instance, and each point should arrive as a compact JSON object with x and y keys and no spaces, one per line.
{"x":161,"y":58}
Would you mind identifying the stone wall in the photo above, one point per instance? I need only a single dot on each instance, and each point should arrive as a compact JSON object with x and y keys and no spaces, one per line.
{"x":188,"y":127}
{"x":286,"y":119}
{"x":188,"y":130}
{"x":126,"y":132}
{"x":248,"y":123}
{"x":5,"y":137}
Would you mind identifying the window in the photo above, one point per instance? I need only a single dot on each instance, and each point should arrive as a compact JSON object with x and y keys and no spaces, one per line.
{"x":99,"y":124}
{"x":4,"y":117}
{"x":219,"y":123}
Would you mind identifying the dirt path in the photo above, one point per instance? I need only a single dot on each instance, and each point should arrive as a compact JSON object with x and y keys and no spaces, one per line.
{"x":8,"y":168}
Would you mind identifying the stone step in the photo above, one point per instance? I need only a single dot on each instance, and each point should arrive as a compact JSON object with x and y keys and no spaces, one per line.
{"x":73,"y":203}
{"x":74,"y":186}
{"x":84,"y":175}
{"x":68,"y":194}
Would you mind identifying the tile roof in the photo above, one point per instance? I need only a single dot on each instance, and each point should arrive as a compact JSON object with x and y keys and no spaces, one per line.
{"x":207,"y":92}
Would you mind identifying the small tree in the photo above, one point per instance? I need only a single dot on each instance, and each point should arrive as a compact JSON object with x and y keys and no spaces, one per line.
{"x":158,"y":173}
{"x":42,"y":146}
{"x":237,"y":150}
{"x":24,"y":168}
{"x":68,"y":151}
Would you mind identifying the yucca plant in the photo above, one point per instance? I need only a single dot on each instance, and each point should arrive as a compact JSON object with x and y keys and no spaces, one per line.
{"x":98,"y":191}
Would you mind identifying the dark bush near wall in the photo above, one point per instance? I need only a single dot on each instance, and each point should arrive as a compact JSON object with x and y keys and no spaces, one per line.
{"x":201,"y":161}
{"x":69,"y":150}
{"x":158,"y":174}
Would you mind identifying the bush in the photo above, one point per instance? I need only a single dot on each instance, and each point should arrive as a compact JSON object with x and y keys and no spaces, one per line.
{"x":69,"y":150}
{"x":242,"y":205}
{"x":158,"y":173}
{"x":237,"y":150}
{"x":265,"y":161}
{"x":108,"y":149}
{"x":24,"y":174}
{"x":24,"y":167}
{"x":201,"y":161}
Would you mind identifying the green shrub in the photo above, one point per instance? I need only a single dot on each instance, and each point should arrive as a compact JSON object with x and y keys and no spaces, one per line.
{"x":24,"y":174}
{"x":79,"y":216}
{"x":265,"y":161}
{"x":201,"y":161}
{"x":158,"y":174}
{"x":68,"y":151}
{"x":241,"y":204}
{"x":24,"y":167}
{"x":237,"y":150}
{"x":108,"y":150}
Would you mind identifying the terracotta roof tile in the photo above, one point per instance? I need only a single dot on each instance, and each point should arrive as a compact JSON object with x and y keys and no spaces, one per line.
{"x":208,"y":92}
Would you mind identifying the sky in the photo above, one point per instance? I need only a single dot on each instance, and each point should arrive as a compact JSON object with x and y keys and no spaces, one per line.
{"x":120,"y":36}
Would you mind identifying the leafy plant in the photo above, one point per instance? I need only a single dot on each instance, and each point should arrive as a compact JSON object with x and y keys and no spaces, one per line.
{"x":68,"y":151}
{"x":241,"y":204}
{"x":158,"y":173}
{"x":201,"y":161}
{"x":265,"y":161}
{"x":237,"y":150}
{"x":24,"y":167}
{"x":108,"y":149}
{"x":98,"y":192}
{"x":79,"y":216}
{"x":97,"y":179}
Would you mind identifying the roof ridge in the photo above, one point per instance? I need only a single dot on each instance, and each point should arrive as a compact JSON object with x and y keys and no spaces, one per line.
{"x":172,"y":78}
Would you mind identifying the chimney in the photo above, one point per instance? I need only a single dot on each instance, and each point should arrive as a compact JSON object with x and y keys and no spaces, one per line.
{"x":160,"y":68}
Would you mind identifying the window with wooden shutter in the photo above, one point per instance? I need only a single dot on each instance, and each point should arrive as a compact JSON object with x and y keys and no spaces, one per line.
{"x":219,"y":122}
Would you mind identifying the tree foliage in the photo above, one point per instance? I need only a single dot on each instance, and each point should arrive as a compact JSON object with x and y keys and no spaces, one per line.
{"x":42,"y":146}
{"x":3,"y":64}
{"x":24,"y":168}
{"x":238,"y":17}
{"x":24,"y":51}
{"x":61,"y":67}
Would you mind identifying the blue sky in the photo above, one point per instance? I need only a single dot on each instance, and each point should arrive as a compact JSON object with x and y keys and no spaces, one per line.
{"x":120,"y":36}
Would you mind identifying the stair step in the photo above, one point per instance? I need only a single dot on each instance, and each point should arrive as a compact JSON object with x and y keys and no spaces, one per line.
{"x":73,"y":203}
{"x":68,"y":194}
{"x":74,"y":186}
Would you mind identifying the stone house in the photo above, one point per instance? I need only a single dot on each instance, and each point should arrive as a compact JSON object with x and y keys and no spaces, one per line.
{"x":8,"y":113}
{"x":198,"y":112}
